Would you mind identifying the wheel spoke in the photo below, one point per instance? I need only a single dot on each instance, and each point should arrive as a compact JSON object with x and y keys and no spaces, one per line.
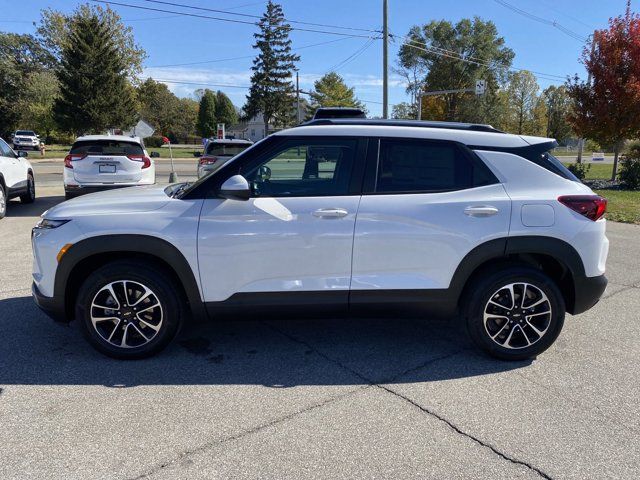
{"x":145,"y":295}
{"x":508,"y":340}
{"x":140,"y":332}
{"x":123,"y":343}
{"x":149,"y":307}
{"x":126,"y":293}
{"x":498,"y":305}
{"x":153,"y":327}
{"x":538,"y":314}
{"x":524,"y":295}
{"x":113,"y":294}
{"x":114,"y":330}
{"x":526,"y":337}
{"x":534,"y":328}
{"x":500,"y":331}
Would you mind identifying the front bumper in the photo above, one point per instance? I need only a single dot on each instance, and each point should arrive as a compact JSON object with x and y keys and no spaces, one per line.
{"x":52,"y":306}
{"x":588,"y":291}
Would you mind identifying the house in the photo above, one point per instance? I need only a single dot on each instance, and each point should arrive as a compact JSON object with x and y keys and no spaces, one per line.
{"x":253,"y":129}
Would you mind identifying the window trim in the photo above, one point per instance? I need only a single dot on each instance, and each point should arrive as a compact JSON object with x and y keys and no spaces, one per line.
{"x":269,"y":146}
{"x":373,"y":166}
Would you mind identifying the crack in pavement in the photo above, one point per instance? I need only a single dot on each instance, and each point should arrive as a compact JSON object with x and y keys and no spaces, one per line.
{"x":244,"y":433}
{"x":451,"y":425}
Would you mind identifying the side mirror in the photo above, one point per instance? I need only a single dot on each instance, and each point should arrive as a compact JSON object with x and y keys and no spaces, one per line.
{"x":22,"y":153}
{"x":197,"y":154}
{"x":154,"y":155}
{"x":235,"y":188}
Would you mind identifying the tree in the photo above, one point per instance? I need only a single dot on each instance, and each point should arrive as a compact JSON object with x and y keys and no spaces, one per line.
{"x":522,"y":99}
{"x":332,"y":91}
{"x":41,"y":89}
{"x":404,"y":111}
{"x":454,"y":57}
{"x":272,"y":91}
{"x":158,"y":106}
{"x":54,"y":31}
{"x":21,"y":56}
{"x":94,"y":91}
{"x":206,"y":125}
{"x":608,"y":109}
{"x":558,"y":105}
{"x":225,"y":110}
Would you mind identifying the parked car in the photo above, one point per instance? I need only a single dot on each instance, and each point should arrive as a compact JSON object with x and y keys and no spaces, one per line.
{"x":16,"y":177}
{"x":25,"y":139}
{"x":101,"y":162}
{"x":218,"y":151}
{"x":404,"y":218}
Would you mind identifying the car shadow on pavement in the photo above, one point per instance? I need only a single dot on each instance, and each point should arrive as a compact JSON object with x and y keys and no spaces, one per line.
{"x":15,"y":208}
{"x":275,"y":353}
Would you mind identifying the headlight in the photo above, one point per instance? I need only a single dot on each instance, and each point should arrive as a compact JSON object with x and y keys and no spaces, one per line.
{"x":46,"y":223}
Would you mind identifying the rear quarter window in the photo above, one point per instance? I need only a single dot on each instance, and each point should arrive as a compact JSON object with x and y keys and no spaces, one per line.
{"x":106,"y":147}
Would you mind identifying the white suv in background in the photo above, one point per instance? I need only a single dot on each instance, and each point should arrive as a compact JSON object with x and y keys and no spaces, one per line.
{"x":337,"y":216}
{"x":101,"y":162}
{"x":16,"y":177}
{"x":25,"y":139}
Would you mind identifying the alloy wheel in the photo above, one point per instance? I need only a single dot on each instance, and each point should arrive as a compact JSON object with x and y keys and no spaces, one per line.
{"x":126,"y":314}
{"x":3,"y":202}
{"x":517,"y":315}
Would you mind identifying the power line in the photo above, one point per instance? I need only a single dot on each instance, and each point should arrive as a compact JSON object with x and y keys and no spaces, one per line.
{"x":246,"y":15}
{"x":354,"y":55}
{"x":245,"y":56}
{"x":456,"y":56}
{"x":552,"y":23}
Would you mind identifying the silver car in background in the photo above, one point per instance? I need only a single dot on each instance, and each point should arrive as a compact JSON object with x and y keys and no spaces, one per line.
{"x":219,"y":151}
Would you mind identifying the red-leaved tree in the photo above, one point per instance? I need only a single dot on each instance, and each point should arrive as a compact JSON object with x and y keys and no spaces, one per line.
{"x":608,"y":109}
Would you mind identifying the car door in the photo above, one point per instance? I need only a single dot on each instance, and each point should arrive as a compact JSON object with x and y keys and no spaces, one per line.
{"x":14,"y":174}
{"x":292,"y":241}
{"x":426,"y":205}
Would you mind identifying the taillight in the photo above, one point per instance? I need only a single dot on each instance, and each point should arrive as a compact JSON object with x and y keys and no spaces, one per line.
{"x":146,"y":161}
{"x":591,"y":206}
{"x":205,"y":160}
{"x":72,"y":158}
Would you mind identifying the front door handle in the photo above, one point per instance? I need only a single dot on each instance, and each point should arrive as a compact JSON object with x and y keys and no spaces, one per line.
{"x":330,"y":213}
{"x":481,"y":211}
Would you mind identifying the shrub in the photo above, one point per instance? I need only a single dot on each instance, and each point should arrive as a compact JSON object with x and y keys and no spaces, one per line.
{"x":154,"y":141}
{"x":629,"y":174}
{"x":580,"y":170}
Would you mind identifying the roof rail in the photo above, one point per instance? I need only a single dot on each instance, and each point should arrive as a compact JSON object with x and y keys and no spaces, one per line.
{"x":404,"y":123}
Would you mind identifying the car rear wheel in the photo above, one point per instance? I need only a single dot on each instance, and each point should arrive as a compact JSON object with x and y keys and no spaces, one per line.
{"x":30,"y":196}
{"x":129,"y":310}
{"x":3,"y":201}
{"x":515,"y":313}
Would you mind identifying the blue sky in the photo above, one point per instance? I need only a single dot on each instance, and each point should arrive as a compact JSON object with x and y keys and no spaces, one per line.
{"x":170,"y":39}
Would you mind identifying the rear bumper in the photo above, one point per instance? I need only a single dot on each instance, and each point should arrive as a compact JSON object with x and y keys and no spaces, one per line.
{"x":52,"y":306}
{"x":588,"y":291}
{"x":82,"y":189}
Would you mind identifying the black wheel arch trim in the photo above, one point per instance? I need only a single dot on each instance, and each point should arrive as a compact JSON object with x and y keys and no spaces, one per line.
{"x":133,"y":244}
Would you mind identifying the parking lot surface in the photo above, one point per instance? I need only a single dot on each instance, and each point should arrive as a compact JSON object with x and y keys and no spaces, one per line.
{"x":324,"y":398}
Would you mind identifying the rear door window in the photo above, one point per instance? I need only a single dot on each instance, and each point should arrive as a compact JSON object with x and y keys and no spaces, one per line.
{"x":417,"y":166}
{"x":106,"y":147}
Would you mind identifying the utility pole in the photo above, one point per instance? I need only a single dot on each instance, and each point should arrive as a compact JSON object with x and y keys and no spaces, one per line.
{"x":581,"y":140}
{"x":298,"y":95}
{"x":385,"y":62}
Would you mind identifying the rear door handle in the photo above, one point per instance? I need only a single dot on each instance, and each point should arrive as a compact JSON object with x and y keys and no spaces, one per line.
{"x":481,"y":211}
{"x":330,"y":213}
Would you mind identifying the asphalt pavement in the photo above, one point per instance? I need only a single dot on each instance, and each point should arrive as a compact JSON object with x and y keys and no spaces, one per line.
{"x":326,"y":398}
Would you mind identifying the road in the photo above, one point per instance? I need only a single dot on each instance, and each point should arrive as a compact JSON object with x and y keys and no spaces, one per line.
{"x":318,"y":399}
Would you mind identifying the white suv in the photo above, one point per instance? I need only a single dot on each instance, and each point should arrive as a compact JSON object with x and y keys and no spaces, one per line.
{"x":26,"y":139}
{"x":101,"y":162}
{"x":336,"y":216}
{"x":16,"y":177}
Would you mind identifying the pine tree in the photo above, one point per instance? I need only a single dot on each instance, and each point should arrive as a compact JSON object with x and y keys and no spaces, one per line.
{"x":331,"y":91}
{"x":207,"y":114}
{"x":94,"y":91}
{"x":225,"y":111}
{"x":272,"y":91}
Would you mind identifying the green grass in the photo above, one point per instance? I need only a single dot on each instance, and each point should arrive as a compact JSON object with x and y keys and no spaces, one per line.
{"x":623,"y":206}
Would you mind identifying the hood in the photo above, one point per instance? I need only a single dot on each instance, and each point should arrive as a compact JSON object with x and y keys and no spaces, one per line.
{"x":121,"y":200}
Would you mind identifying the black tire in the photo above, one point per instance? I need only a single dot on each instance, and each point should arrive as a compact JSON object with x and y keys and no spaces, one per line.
{"x":523,"y":327}
{"x":136,"y":273}
{"x":30,"y":196}
{"x":3,"y":201}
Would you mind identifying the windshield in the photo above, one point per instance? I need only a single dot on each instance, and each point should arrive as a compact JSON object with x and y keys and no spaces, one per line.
{"x":26,"y":133}
{"x":225,"y":149}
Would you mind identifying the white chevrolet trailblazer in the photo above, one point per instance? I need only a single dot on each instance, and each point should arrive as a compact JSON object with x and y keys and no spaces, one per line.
{"x":384,"y":217}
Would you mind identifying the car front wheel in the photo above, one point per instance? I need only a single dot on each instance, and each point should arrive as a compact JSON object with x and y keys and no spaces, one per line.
{"x":515,"y":313}
{"x":30,"y":195}
{"x":3,"y":202}
{"x":129,"y":310}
